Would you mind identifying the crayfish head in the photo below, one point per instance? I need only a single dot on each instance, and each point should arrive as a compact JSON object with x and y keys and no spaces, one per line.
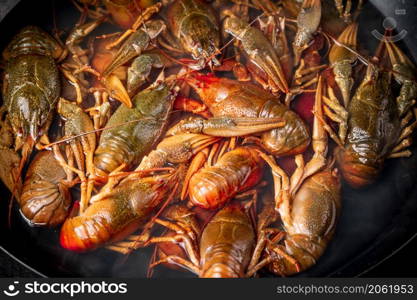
{"x":29,"y":116}
{"x":202,"y":40}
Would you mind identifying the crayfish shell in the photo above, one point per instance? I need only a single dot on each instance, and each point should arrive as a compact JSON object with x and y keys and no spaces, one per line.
{"x":355,"y":172}
{"x":45,"y":199}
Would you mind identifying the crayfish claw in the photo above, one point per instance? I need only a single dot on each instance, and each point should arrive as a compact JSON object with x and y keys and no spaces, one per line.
{"x":308,"y":22}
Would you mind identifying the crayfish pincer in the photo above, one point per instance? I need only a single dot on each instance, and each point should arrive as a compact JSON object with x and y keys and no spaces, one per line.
{"x":133,"y":132}
{"x":31,"y":85}
{"x":195,"y":25}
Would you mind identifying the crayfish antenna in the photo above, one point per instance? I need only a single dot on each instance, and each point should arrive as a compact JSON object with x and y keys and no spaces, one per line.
{"x":149,"y":271}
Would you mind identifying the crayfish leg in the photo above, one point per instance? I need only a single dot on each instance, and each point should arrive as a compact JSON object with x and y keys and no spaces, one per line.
{"x":140,"y":20}
{"x":196,"y":164}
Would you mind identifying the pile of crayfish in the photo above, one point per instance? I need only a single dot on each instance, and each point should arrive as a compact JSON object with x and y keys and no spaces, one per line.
{"x":217,"y":132}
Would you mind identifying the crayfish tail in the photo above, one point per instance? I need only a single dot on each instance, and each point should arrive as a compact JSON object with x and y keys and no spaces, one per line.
{"x":45,"y":197}
{"x":299,"y":253}
{"x":81,"y":234}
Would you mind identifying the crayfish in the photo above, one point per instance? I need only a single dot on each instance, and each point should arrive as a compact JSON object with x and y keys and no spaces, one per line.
{"x":219,"y":160}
